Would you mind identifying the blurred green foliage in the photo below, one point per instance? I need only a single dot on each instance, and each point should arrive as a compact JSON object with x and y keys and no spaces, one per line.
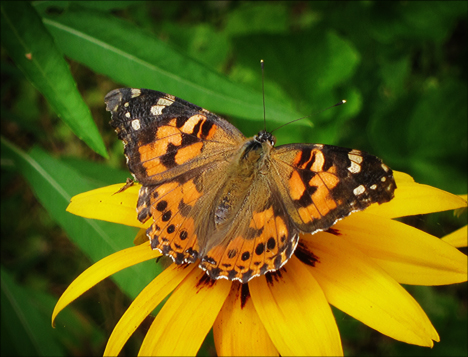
{"x":402,"y":66}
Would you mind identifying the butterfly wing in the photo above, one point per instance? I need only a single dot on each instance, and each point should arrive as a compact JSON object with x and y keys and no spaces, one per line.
{"x":170,"y":146}
{"x":183,"y":156}
{"x":261,"y":237}
{"x":322,"y":184}
{"x":165,"y":136}
{"x":307,"y":188}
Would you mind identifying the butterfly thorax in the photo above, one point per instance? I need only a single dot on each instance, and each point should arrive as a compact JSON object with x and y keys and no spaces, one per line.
{"x":252,"y":161}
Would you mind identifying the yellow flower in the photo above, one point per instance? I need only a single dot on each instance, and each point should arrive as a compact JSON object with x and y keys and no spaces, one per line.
{"x":357,"y":266}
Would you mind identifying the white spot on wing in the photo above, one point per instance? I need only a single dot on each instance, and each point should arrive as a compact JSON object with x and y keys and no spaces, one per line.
{"x":354,"y":168}
{"x":157,"y":109}
{"x":373,"y":187}
{"x":135,"y":92}
{"x":161,"y":104}
{"x":127,"y":114}
{"x":165,"y":102}
{"x":356,"y":158}
{"x":385,"y":167}
{"x":136,"y":124}
{"x":359,"y":190}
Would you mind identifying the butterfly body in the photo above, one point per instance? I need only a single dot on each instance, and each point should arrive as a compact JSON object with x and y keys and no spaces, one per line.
{"x":236,"y":204}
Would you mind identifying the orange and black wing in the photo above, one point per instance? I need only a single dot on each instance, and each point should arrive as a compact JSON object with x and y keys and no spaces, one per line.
{"x":165,"y":136}
{"x":170,"y":144}
{"x":263,"y":238}
{"x":322,"y":184}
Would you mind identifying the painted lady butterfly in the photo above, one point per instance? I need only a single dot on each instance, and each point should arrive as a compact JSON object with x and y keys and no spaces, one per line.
{"x":236,"y":204}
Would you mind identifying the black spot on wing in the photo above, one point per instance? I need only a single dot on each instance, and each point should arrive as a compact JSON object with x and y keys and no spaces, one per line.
{"x":161,"y":205}
{"x":271,"y":243}
{"x":260,"y":248}
{"x":188,"y":140}
{"x":305,"y":156}
{"x":245,"y":256}
{"x":183,"y":235}
{"x":207,"y":125}
{"x":232,"y":253}
{"x":168,"y":159}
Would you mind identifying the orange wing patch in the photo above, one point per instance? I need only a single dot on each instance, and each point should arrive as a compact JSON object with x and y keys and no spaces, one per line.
{"x":173,"y":230}
{"x":312,"y":192}
{"x":265,"y":245}
{"x":176,"y":143}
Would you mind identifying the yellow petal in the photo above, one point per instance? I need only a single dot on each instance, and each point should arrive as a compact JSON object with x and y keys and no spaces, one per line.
{"x":295,"y":312}
{"x":238,"y":330}
{"x":409,"y":255}
{"x":412,"y":198}
{"x":141,"y":237}
{"x":182,"y":324}
{"x":356,"y":285}
{"x":458,"y":239}
{"x":108,"y":205}
{"x":103,"y":269}
{"x":144,"y":303}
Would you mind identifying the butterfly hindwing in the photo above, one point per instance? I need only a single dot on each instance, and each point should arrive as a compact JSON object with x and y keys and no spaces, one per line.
{"x":264,"y":242}
{"x":173,"y":229}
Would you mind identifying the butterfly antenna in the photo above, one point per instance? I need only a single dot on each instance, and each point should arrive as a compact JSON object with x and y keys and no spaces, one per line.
{"x":307,"y":116}
{"x":263,"y":93}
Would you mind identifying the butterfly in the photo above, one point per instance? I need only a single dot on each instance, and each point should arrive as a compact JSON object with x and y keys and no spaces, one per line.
{"x":234,"y":204}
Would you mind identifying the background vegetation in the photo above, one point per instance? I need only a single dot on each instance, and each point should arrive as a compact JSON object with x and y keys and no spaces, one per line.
{"x":401,"y":66}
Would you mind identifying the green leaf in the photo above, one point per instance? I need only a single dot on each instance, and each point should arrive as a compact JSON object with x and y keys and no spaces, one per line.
{"x":96,"y":5}
{"x":261,"y":17}
{"x":414,"y":20}
{"x":394,"y":72}
{"x":428,"y":138}
{"x":138,"y":59}
{"x":54,"y":183}
{"x":25,"y":331}
{"x":439,"y":118}
{"x":202,"y":41}
{"x":34,"y":52}
{"x":312,"y":67}
{"x":97,"y":174}
{"x":323,"y":60}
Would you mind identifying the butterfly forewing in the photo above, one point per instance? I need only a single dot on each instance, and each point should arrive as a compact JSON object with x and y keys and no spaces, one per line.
{"x":165,"y":136}
{"x":323,"y":183}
